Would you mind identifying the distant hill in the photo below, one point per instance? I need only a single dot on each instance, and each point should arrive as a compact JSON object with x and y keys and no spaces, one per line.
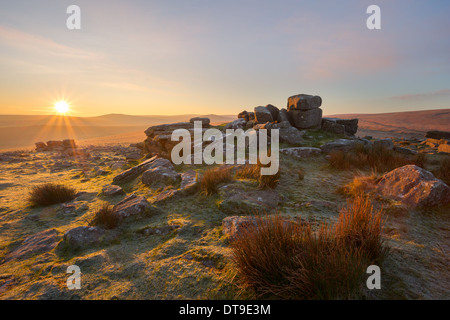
{"x":22,"y":131}
{"x":408,"y":123}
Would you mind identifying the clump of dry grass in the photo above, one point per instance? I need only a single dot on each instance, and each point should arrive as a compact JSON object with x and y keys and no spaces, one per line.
{"x":360,"y":185}
{"x":301,"y":173}
{"x":286,"y":260}
{"x":213,"y":177}
{"x":378,"y":158}
{"x":51,"y":193}
{"x":360,"y":227}
{"x":104,"y":217}
{"x":269,"y":181}
{"x":248,"y":171}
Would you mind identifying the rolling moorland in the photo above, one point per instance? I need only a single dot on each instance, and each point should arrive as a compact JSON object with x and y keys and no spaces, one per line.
{"x":23,"y":131}
{"x":169,"y":228}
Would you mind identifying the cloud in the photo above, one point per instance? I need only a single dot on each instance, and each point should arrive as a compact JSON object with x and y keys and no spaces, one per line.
{"x":39,"y":45}
{"x":415,"y":96}
{"x":345,"y":53}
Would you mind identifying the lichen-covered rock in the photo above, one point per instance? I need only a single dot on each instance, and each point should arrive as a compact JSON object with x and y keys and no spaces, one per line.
{"x":385,"y":143}
{"x":161,"y":174}
{"x":236,"y":124}
{"x":112,"y":190}
{"x":340,"y":144}
{"x":239,"y":201}
{"x":136,"y":171}
{"x":301,"y":152}
{"x":85,"y":237}
{"x":274,"y":111}
{"x":304,"y":102}
{"x":291,"y":135}
{"x":234,"y":226}
{"x":134,"y":206}
{"x":306,"y":119}
{"x":414,"y":186}
{"x":263,"y":115}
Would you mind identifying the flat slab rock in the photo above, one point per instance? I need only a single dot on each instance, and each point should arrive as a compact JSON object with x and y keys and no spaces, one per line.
{"x":85,"y":237}
{"x":239,"y":201}
{"x":234,"y":226}
{"x":415,"y":187}
{"x":301,"y":152}
{"x":112,"y":190}
{"x":38,"y":243}
{"x":134,"y":206}
{"x":136,"y":171}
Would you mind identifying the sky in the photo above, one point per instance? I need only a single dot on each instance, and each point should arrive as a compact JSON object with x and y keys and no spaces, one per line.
{"x":222,"y":56}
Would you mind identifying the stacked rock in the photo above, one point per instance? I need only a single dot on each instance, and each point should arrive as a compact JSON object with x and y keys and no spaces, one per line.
{"x":304,"y":111}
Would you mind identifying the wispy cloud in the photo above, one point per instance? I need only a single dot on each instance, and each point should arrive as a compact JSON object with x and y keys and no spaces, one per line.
{"x":414,"y":96}
{"x":41,"y":45}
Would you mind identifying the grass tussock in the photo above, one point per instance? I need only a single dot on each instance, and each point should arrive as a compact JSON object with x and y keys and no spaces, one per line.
{"x":213,"y":177}
{"x":104,"y":217}
{"x":378,"y":158}
{"x":51,"y":193}
{"x":360,"y":185}
{"x":269,"y":182}
{"x":248,"y":171}
{"x":286,"y":260}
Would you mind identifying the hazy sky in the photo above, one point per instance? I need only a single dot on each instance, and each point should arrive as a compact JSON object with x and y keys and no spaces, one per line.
{"x":211,"y":56}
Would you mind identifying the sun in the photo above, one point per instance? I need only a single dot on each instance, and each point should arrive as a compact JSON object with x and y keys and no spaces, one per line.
{"x":62,"y":107}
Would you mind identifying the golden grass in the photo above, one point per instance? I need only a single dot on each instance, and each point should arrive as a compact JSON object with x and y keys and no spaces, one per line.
{"x":104,"y":217}
{"x":378,"y":158}
{"x":213,"y":177}
{"x":287,"y":260}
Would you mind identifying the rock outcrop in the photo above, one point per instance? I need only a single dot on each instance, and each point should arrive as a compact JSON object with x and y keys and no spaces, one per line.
{"x":304,"y":111}
{"x":340,"y":126}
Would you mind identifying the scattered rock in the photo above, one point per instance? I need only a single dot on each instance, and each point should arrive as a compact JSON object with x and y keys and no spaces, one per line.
{"x":112,"y":190}
{"x":405,"y":150}
{"x":386,"y":143}
{"x":85,"y":237}
{"x":444,"y":148}
{"x":38,"y":243}
{"x":301,"y":152}
{"x":189,"y":182}
{"x":136,"y":171}
{"x":165,"y":195}
{"x":161,"y":174}
{"x":133,"y":206}
{"x":205,"y":121}
{"x":161,"y":231}
{"x":233,"y":226}
{"x":335,"y":125}
{"x":414,"y":186}
{"x":239,"y":201}
{"x":340,"y":144}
